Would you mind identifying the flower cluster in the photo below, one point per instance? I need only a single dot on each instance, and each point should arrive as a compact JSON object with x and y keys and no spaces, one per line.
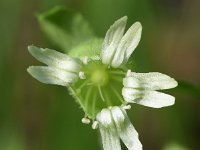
{"x":103,"y":87}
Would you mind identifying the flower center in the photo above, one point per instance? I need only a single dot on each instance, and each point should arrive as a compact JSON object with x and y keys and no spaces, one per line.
{"x":101,"y":88}
{"x":100,"y":77}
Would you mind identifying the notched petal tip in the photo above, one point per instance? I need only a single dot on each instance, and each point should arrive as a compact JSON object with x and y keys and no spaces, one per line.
{"x":118,"y":47}
{"x":120,"y":127}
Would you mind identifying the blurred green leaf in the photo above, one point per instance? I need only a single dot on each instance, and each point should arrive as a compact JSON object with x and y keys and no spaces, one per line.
{"x":174,"y":146}
{"x":12,"y":141}
{"x":64,"y":27}
{"x":188,"y":88}
{"x":90,"y":48}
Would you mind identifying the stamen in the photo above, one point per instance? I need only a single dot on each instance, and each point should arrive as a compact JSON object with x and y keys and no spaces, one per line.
{"x":85,"y":83}
{"x":82,"y":75}
{"x":85,"y":60}
{"x":127,"y":107}
{"x":128,"y":74}
{"x":85,"y":120}
{"x":101,"y":94}
{"x":95,"y":125}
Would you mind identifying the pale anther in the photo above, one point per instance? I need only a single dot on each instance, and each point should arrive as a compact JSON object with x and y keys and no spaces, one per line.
{"x":110,"y":107}
{"x":85,"y":120}
{"x":85,"y":60}
{"x":128,"y":74}
{"x":95,"y":125}
{"x":82,"y":75}
{"x":127,"y":107}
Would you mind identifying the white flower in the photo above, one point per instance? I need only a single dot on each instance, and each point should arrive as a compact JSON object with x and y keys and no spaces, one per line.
{"x":102,"y":88}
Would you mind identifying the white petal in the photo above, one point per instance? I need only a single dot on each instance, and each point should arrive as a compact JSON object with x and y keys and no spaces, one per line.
{"x":118,"y":117}
{"x":149,"y":81}
{"x":127,"y":45}
{"x":126,"y":131}
{"x":55,"y":59}
{"x":50,"y":75}
{"x":110,"y":138}
{"x":147,"y":98}
{"x":112,"y":39}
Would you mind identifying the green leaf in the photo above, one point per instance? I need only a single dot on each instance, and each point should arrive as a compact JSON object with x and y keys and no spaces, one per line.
{"x":65,"y":28}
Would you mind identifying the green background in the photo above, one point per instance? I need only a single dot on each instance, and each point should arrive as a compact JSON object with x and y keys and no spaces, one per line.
{"x":35,"y":116}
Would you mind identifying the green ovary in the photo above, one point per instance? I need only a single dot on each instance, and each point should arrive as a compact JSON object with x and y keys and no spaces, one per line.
{"x":99,"y":77}
{"x":101,"y":88}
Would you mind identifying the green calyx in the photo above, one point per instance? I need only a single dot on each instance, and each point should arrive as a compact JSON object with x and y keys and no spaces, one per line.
{"x":100,"y":89}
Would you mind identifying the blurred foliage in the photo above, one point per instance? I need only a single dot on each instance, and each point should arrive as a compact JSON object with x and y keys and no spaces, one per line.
{"x":189,"y":89}
{"x":65,"y":28}
{"x":37,"y":116}
{"x":174,"y":146}
{"x":70,"y":32}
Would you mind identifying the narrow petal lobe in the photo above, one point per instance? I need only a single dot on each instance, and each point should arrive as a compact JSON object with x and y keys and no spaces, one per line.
{"x":147,"y":98}
{"x":112,"y":39}
{"x":126,"y":131}
{"x":149,"y":81}
{"x":108,"y":131}
{"x":50,"y":75}
{"x":127,"y":45}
